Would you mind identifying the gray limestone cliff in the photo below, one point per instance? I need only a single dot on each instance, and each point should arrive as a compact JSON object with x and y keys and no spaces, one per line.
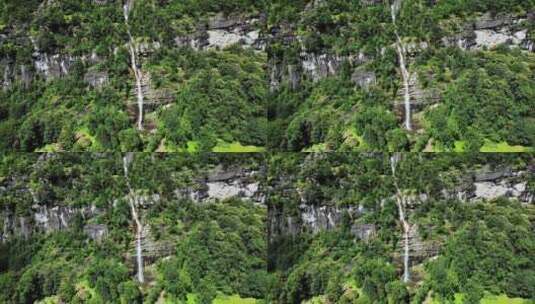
{"x":488,"y":31}
{"x":221,"y":31}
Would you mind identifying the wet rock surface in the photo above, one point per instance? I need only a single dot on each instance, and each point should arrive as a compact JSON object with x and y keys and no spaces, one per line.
{"x":151,"y":248}
{"x":419,"y":249}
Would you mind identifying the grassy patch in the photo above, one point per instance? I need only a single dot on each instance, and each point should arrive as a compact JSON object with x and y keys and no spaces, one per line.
{"x":316,"y":148}
{"x":49,"y":148}
{"x":354,"y":141}
{"x":220,"y":299}
{"x":235,"y":147}
{"x":50,"y":300}
{"x":502,"y":147}
{"x":317,"y":300}
{"x":234,"y":299}
{"x":490,"y":299}
{"x":85,"y":140}
{"x":193,"y":146}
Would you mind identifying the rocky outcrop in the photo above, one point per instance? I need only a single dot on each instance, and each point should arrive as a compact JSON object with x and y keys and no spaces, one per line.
{"x":319,"y":66}
{"x":153,"y":97}
{"x":490,"y":31}
{"x":96,"y":232}
{"x":315,"y":67}
{"x":46,"y":65}
{"x":52,"y":66}
{"x":151,"y":248}
{"x":307,"y":64}
{"x":491,"y":184}
{"x":222,"y":31}
{"x":314,"y":219}
{"x":45,"y":219}
{"x":418,"y":95}
{"x":223,"y":183}
{"x":363,"y":78}
{"x":419,"y":249}
{"x":364,"y":232}
{"x":96,"y":79}
{"x":13,"y":73}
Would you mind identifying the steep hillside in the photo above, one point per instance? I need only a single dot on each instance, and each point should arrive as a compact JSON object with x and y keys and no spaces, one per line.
{"x":134,"y":228}
{"x":403,"y":75}
{"x":400,"y":228}
{"x":106,"y":75}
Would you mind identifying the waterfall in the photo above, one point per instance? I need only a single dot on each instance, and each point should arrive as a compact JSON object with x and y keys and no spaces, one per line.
{"x":137,"y":72}
{"x":132,"y":198}
{"x":394,"y":9}
{"x":400,"y":202}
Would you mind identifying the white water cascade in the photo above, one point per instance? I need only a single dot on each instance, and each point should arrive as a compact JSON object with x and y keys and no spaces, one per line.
{"x":132,"y":198}
{"x":394,"y":8}
{"x":400,"y":202}
{"x":127,"y":7}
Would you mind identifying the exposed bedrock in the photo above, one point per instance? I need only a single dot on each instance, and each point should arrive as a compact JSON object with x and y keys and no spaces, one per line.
{"x":224,"y":183}
{"x":221,"y":31}
{"x":490,"y":31}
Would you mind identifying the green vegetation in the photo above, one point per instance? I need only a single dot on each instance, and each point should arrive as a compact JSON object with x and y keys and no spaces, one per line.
{"x":205,"y":96}
{"x":491,"y":299}
{"x":214,"y":95}
{"x":484,"y":249}
{"x":211,"y":251}
{"x":475,"y":96}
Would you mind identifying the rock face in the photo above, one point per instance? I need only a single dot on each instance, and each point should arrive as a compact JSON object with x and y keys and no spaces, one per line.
{"x":96,"y":79}
{"x":490,"y":184}
{"x":11,"y":73}
{"x":315,"y":67}
{"x":314,"y":219}
{"x":418,"y":95}
{"x":221,"y":184}
{"x":319,"y":66}
{"x":363,"y":78}
{"x":96,"y":232}
{"x":153,"y":97}
{"x":491,"y":31}
{"x":222,"y":31}
{"x":45,"y":219}
{"x":151,"y":248}
{"x":419,"y":250}
{"x":52,"y":66}
{"x":48,"y":65}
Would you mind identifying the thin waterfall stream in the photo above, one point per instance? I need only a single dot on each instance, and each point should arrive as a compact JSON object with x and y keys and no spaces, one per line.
{"x":132,"y":199}
{"x":400,"y":48}
{"x":401,"y":204}
{"x":127,"y":7}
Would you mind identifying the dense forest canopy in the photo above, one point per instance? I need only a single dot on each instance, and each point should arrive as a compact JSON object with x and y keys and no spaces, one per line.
{"x":68,"y":81}
{"x":472,"y":250}
{"x":286,"y":75}
{"x":211,"y":250}
{"x":465,"y":95}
